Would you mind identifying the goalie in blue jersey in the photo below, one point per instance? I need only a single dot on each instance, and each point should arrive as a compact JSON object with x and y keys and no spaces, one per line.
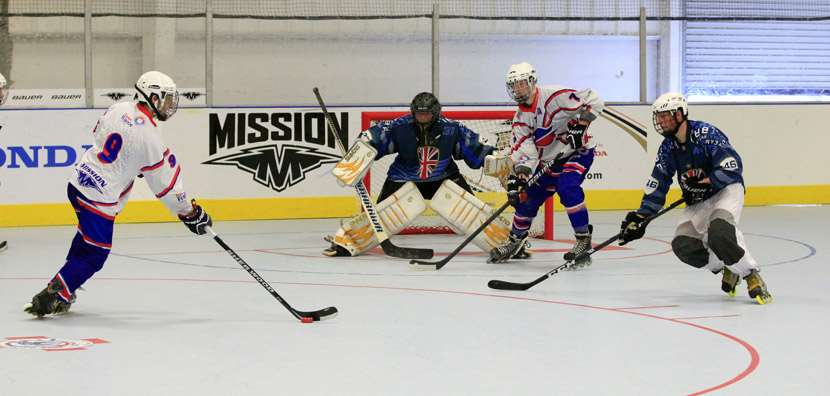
{"x":426,"y":146}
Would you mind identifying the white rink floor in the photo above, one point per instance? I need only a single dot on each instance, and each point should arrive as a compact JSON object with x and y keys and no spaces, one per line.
{"x":180,"y":317}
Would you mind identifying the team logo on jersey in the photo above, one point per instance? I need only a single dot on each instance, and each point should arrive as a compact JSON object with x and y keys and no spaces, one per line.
{"x":126,"y":118}
{"x":428,"y":160}
{"x":278,"y":149}
{"x":89,"y":179}
{"x":49,"y":344}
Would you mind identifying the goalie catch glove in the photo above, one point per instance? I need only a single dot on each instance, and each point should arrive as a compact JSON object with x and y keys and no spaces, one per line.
{"x":197,"y":220}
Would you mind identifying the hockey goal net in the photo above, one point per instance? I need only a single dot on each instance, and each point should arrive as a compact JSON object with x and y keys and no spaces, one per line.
{"x":494,"y":127}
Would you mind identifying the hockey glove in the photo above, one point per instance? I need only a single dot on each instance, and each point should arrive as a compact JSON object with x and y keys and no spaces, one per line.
{"x":632,"y":228}
{"x":694,"y":185}
{"x":517,"y":189}
{"x":197,"y":220}
{"x":576,"y":134}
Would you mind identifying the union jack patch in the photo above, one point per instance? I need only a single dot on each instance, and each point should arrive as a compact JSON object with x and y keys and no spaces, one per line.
{"x":428,"y":159}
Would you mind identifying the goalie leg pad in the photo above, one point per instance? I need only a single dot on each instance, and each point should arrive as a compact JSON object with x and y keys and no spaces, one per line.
{"x":354,"y":164}
{"x":396,"y":212}
{"x":465,"y":212}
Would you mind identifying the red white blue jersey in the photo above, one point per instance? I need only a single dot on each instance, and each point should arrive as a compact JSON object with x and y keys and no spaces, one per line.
{"x":540,"y":130}
{"x":127,"y":143}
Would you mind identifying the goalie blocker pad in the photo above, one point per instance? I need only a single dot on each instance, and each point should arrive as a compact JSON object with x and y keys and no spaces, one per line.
{"x":465,"y":213}
{"x":355,"y":164}
{"x":396,"y":212}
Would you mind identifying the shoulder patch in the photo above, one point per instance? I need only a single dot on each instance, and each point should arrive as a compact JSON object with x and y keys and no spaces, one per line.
{"x":651,"y":185}
{"x":127,"y":119}
{"x":171,"y":160}
{"x":729,"y":163}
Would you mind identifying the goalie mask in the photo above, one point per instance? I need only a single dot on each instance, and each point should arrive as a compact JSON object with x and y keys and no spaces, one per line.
{"x":664,"y":113}
{"x":159,"y":92}
{"x":422,"y":104}
{"x":521,"y":82}
{"x":3,"y":90}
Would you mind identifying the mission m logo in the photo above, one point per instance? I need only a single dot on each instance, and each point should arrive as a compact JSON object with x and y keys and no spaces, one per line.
{"x":278,"y":149}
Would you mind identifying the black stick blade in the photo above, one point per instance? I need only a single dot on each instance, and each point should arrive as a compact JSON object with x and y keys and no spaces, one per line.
{"x":407,"y":253}
{"x":505,"y":285}
{"x":323,"y":314}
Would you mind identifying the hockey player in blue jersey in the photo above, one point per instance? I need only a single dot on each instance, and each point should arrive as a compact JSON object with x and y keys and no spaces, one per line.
{"x":709,"y":172}
{"x":426,"y":146}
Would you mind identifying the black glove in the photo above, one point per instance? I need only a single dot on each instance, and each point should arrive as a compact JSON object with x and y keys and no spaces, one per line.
{"x":632,"y":228}
{"x":516,"y":189}
{"x":197,"y":220}
{"x":576,"y":134}
{"x":692,"y":187}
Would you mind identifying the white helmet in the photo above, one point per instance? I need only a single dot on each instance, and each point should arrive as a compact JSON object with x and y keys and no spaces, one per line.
{"x":671,"y":102}
{"x":521,"y":72}
{"x":166,"y":100}
{"x":3,"y":91}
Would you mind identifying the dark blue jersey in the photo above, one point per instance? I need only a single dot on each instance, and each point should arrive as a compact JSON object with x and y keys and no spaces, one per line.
{"x":706,"y":148}
{"x":427,"y":155}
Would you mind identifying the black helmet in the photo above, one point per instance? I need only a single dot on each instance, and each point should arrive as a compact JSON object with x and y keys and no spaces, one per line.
{"x":425,"y":102}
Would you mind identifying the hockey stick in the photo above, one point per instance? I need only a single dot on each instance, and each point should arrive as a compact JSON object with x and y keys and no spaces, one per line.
{"x":303,"y":316}
{"x":366,"y":201}
{"x":437,"y":265}
{"x":505,"y":285}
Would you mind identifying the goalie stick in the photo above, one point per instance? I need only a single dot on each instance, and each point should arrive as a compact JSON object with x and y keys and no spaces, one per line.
{"x":505,"y":285}
{"x":437,"y":265}
{"x":388,"y":247}
{"x":303,"y":316}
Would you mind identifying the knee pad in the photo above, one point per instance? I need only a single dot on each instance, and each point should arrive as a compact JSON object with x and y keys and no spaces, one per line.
{"x":690,"y":251}
{"x":723,"y":241}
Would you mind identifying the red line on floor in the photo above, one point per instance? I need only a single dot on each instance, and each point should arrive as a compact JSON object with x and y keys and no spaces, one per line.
{"x":754,"y":360}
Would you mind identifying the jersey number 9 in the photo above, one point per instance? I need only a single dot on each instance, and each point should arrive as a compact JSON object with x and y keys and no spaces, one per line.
{"x":109,"y":153}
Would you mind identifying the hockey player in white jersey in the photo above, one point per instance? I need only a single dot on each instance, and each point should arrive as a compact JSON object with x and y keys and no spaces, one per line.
{"x":127,"y":144}
{"x":3,"y":95}
{"x":550,"y":125}
{"x":709,"y":172}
